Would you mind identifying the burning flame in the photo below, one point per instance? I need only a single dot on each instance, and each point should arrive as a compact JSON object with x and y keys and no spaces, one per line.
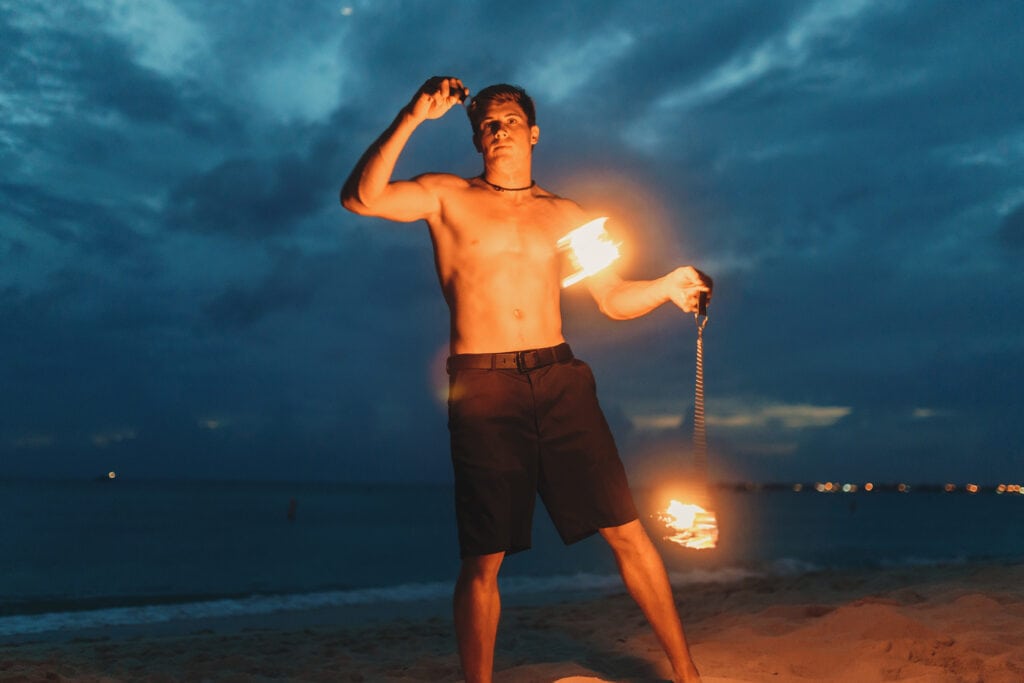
{"x":590,"y":249}
{"x":693,"y":526}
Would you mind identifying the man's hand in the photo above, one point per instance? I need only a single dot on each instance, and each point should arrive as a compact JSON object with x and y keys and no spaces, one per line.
{"x":684,"y":285}
{"x":436,"y":97}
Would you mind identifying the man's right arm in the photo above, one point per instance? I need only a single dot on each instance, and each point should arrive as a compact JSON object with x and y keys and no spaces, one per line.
{"x":369,"y":190}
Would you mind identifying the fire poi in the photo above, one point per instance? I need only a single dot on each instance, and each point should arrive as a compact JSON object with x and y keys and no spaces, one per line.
{"x":591,"y":250}
{"x":691,"y":525}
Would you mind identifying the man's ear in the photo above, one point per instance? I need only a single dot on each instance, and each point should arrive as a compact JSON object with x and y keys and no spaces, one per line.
{"x":534,"y":134}
{"x":476,"y":142}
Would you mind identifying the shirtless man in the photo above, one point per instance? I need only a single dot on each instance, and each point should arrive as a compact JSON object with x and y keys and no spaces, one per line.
{"x":523,"y":414}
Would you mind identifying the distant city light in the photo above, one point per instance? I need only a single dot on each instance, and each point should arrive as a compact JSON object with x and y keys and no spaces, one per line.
{"x":876,"y":488}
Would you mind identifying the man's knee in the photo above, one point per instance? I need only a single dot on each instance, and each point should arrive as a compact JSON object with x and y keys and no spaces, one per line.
{"x":481,"y":567}
{"x":628,"y":537}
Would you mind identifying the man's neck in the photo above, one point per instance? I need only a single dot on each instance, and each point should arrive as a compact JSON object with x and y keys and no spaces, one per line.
{"x":508,"y":188}
{"x":513,"y":179}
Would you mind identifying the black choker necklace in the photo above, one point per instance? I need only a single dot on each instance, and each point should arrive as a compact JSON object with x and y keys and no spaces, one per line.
{"x":499,"y":188}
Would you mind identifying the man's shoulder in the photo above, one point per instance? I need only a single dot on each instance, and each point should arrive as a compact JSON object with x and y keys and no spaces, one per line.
{"x":563,"y":204}
{"x":442,"y":181}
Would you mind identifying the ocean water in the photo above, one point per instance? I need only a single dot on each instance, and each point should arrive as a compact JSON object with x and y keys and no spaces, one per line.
{"x":78,"y":554}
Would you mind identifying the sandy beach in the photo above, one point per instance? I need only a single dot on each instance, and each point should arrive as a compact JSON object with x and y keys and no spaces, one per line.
{"x":962,"y":623}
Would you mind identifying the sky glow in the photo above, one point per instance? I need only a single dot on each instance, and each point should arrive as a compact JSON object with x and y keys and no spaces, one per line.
{"x":181,"y":295}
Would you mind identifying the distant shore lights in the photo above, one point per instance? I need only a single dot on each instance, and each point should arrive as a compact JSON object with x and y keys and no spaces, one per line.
{"x":970,"y":488}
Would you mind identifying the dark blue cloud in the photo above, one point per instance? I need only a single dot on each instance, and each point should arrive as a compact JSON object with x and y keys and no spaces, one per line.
{"x":1011,"y":230}
{"x":241,"y":197}
{"x":289,"y":287}
{"x":89,"y":71}
{"x":93,"y":228}
{"x":253,"y":198}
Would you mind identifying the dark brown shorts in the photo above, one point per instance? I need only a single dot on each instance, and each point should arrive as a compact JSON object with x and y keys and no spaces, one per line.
{"x":518,"y":433}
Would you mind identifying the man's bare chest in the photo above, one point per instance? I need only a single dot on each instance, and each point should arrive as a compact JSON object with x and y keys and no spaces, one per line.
{"x":495,"y":227}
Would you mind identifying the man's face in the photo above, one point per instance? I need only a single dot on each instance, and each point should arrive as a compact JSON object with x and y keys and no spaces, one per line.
{"x":504,"y":133}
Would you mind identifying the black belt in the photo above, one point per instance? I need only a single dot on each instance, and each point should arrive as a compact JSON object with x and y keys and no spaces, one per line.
{"x":523,"y":361}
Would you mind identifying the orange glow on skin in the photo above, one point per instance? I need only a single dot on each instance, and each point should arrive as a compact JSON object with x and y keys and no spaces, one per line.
{"x":607,"y":192}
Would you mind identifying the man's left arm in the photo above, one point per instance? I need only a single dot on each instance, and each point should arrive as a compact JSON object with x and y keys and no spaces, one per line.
{"x":624,"y":299}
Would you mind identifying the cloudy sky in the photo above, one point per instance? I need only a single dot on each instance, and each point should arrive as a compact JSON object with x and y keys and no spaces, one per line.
{"x":182,"y":296}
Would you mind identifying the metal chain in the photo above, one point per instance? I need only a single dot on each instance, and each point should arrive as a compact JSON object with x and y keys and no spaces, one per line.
{"x":700,"y":437}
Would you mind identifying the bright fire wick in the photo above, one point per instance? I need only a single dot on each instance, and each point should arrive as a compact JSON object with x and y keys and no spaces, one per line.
{"x":694,"y":526}
{"x":590,"y":248}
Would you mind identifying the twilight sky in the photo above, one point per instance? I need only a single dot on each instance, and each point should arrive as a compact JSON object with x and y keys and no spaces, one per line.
{"x":182,"y":296}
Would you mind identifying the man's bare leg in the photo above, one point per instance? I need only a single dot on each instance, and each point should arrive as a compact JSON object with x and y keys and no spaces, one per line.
{"x":647,"y":581}
{"x":477,"y":610}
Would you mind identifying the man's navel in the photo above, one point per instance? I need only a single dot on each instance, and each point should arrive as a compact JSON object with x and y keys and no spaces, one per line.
{"x":517,"y":314}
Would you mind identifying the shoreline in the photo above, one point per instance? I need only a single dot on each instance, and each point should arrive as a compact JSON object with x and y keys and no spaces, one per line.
{"x":962,"y":622}
{"x":177,"y":614}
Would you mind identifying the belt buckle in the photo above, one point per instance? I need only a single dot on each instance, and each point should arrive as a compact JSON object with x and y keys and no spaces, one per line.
{"x":521,"y":364}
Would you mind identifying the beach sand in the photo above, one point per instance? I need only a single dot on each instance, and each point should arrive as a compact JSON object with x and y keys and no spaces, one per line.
{"x":929,"y":624}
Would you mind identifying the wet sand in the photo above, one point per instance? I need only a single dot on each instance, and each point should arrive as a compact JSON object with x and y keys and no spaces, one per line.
{"x":961,"y":623}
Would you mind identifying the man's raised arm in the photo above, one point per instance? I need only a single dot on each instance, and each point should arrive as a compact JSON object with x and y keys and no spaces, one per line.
{"x":369,"y":190}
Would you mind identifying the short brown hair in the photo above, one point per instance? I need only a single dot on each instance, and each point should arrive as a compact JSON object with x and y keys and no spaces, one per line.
{"x":501,"y":92}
